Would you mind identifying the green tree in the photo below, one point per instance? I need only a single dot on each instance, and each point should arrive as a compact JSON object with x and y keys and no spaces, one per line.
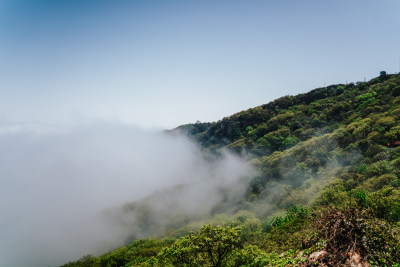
{"x":209,"y":246}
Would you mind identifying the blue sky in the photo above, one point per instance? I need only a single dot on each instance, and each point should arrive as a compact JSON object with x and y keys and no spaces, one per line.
{"x":165,"y":63}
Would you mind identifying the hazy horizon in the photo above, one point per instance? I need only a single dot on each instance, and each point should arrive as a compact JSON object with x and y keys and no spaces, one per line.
{"x":163,"y":64}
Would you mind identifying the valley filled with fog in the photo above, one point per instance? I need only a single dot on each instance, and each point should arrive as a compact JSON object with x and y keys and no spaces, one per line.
{"x":63,"y":188}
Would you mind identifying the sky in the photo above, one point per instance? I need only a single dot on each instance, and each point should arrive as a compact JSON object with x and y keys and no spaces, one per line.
{"x":160,"y":64}
{"x":86,"y":85}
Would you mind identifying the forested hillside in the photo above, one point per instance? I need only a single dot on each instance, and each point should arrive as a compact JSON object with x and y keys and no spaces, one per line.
{"x":325,"y":191}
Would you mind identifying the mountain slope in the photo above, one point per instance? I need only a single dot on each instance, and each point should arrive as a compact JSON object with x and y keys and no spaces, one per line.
{"x":327,"y":163}
{"x":300,"y":116}
{"x":296,"y":140}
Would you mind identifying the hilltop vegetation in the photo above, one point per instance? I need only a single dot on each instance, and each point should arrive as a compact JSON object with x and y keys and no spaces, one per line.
{"x":327,"y":190}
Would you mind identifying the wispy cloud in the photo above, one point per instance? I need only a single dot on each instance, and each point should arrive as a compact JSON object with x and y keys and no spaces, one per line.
{"x":56,"y":184}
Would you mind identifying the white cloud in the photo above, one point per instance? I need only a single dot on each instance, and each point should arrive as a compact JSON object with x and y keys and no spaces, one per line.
{"x":57,"y":182}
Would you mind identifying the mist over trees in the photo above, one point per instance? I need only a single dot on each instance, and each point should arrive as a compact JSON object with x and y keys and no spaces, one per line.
{"x":325,"y":189}
{"x":69,"y":190}
{"x":307,"y":179}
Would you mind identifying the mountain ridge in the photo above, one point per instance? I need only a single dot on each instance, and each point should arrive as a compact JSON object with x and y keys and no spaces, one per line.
{"x":230,"y":128}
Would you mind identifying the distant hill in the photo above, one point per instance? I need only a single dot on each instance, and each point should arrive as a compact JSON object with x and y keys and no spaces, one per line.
{"x":327,"y":189}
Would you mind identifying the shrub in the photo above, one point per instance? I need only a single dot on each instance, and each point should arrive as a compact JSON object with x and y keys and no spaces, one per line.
{"x":349,"y":230}
{"x":384,"y":204}
{"x":209,"y":246}
{"x":293,"y":213}
{"x":396,"y":91}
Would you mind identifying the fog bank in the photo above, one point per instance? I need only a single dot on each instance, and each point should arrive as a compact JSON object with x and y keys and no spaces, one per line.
{"x":59,"y":184}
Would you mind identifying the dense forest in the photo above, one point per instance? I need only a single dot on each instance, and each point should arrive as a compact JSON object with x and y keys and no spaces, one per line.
{"x":326,"y":191}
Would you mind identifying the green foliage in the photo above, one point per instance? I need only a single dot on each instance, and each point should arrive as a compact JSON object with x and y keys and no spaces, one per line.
{"x":366,"y":99}
{"x":210,"y":246}
{"x":250,"y":225}
{"x":292,"y":214}
{"x":326,"y":147}
{"x":396,"y":91}
{"x":290,"y":141}
{"x":362,"y":168}
{"x":384,"y":204}
{"x":379,"y":168}
{"x":139,"y":252}
{"x":333,"y":194}
{"x":361,"y":198}
{"x":249,"y":130}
